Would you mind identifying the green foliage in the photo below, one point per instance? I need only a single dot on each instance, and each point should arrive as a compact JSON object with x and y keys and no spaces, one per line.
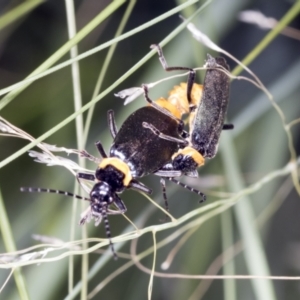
{"x":249,"y":224}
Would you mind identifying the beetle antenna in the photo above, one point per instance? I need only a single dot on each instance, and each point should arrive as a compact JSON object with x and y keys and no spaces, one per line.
{"x":103,"y":213}
{"x":43,"y":190}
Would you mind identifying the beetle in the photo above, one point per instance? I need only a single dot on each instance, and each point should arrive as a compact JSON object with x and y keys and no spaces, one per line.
{"x":99,"y":211}
{"x":208,"y":122}
{"x":207,"y":107}
{"x":144,"y":144}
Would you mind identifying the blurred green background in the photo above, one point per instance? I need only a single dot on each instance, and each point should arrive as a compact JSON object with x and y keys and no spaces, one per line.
{"x":260,"y":142}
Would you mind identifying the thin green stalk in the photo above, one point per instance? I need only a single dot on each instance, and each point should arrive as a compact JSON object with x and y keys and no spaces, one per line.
{"x":18,"y":12}
{"x":227,"y":241}
{"x":10,"y":246}
{"x":288,"y":18}
{"x":65,"y":48}
{"x":79,"y":133}
{"x":254,"y":252}
{"x":150,"y":285}
{"x":105,"y":67}
{"x":162,"y":17}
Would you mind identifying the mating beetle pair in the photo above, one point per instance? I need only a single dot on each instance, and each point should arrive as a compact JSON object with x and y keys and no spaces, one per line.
{"x":153,"y":141}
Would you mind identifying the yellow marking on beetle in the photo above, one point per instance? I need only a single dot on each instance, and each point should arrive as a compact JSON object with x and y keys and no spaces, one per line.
{"x":196,"y":95}
{"x":178,"y":96}
{"x":196,"y":99}
{"x":162,"y":102}
{"x":189,"y":151}
{"x":177,"y":103}
{"x":120,"y":166}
